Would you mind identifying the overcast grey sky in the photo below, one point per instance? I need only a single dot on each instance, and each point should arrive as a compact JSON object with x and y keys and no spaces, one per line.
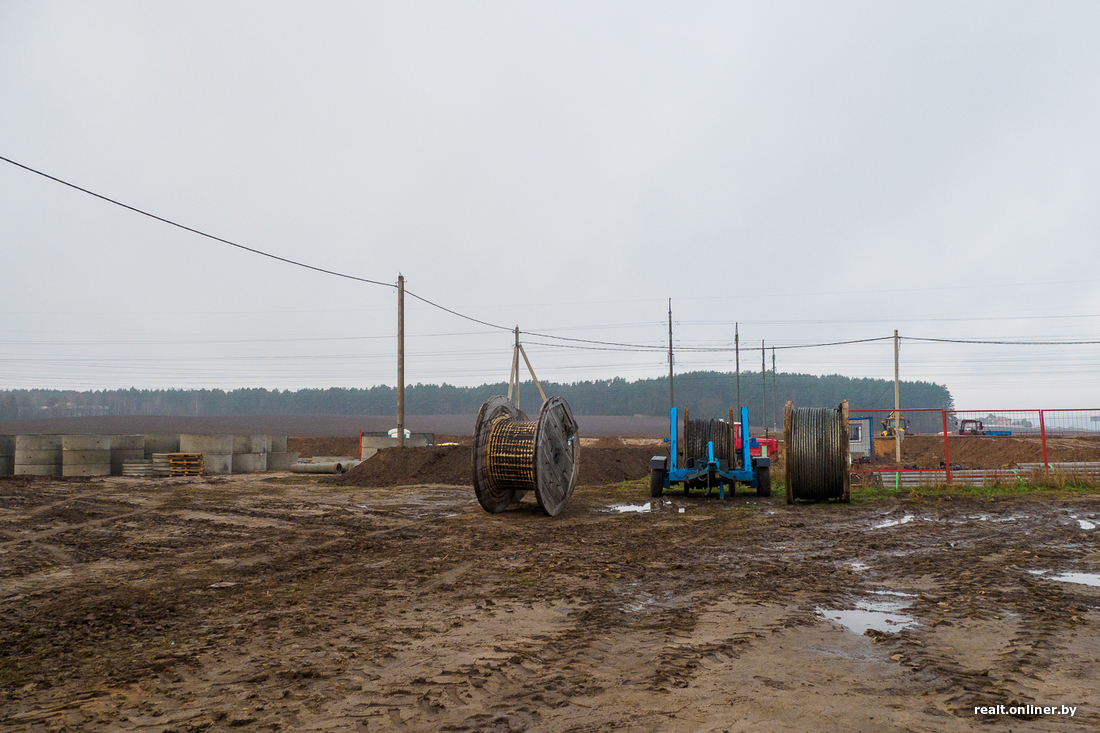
{"x":815,"y":171}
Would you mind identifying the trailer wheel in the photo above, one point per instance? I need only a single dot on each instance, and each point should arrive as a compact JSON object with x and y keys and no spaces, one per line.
{"x":656,"y":482}
{"x":764,"y":481}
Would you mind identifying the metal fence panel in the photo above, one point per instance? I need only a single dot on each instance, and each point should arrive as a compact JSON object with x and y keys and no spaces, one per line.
{"x":1070,"y":429}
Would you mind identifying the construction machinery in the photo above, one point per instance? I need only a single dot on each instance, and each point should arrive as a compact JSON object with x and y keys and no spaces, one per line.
{"x":711,"y":454}
{"x":971,"y":427}
{"x":975,"y":427}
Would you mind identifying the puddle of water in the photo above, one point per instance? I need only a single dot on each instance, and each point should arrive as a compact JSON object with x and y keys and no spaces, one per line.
{"x":878,"y":615}
{"x":1084,"y":523}
{"x":894,"y":522}
{"x":987,"y":518}
{"x":1092,"y":579}
{"x":624,"y":508}
{"x":857,"y":565}
{"x":392,"y":505}
{"x":893,"y":593}
{"x":644,"y":603}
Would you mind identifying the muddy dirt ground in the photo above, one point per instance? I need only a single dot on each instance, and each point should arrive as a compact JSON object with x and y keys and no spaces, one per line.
{"x":286,"y":602}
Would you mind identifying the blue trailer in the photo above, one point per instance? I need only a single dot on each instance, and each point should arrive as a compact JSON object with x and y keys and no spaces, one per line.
{"x":709,"y":456}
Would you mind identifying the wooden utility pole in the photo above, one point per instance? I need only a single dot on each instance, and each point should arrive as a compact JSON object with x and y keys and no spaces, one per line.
{"x":515,"y":361}
{"x":400,"y":361}
{"x":897,"y":402}
{"x":671,"y":400}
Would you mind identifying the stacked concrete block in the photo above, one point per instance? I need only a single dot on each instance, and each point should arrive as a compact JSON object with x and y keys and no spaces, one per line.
{"x":217,"y":452}
{"x":7,"y":455}
{"x":86,"y":455}
{"x":38,"y":455}
{"x":126,"y":448}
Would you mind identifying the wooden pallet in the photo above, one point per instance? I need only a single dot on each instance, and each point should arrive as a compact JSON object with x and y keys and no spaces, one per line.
{"x":185,"y":464}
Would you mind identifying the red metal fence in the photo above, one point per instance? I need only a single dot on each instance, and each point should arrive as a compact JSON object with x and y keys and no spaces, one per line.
{"x":1042,"y":426}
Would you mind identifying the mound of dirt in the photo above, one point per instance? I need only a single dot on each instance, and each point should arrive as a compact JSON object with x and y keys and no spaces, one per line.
{"x":450,"y":464}
{"x":609,"y":465}
{"x":333,"y":446}
{"x":432,"y":464}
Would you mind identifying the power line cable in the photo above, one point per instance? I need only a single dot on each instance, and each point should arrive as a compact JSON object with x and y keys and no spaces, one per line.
{"x":422,"y":299}
{"x":195,"y":231}
{"x":592,"y":342}
{"x":267,"y":254}
{"x":1004,"y":343}
{"x":694,"y":349}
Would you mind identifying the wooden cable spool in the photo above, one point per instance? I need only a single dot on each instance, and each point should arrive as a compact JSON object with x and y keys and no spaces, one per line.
{"x":513,"y":455}
{"x":817,"y":463}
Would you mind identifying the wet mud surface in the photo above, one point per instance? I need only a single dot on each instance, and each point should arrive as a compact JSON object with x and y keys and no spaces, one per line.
{"x":279,"y":602}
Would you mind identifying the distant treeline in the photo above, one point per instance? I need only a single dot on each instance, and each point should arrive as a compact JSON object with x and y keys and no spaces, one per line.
{"x":706,"y":394}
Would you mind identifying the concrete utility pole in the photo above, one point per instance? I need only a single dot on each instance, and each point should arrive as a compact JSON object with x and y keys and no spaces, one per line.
{"x":516,"y":367}
{"x":764,"y":383}
{"x":737,"y":361}
{"x":400,"y":361}
{"x":671,"y":401}
{"x":774,"y":427}
{"x":897,"y":402}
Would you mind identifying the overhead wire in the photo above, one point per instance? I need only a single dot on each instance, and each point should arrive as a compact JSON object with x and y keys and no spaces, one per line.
{"x":562,"y":341}
{"x":1004,"y":343}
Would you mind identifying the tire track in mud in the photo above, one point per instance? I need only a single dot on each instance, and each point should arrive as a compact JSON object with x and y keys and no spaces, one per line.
{"x":435,"y":616}
{"x":1036,"y":617}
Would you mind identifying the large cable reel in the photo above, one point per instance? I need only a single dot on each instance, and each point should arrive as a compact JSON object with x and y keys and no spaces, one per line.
{"x":697,"y":433}
{"x":513,"y":455}
{"x":817,"y":463}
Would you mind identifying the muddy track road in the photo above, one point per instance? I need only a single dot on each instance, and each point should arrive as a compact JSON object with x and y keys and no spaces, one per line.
{"x":291,"y":603}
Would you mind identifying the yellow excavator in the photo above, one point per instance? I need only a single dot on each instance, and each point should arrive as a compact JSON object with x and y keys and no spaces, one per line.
{"x":893,"y":425}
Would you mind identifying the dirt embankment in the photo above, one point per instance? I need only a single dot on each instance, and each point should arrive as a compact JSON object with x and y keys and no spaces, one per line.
{"x":606,"y":463}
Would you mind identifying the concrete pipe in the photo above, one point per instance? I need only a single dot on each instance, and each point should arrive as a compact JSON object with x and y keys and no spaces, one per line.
{"x":7,"y":455}
{"x":139,"y":467}
{"x":217,"y":464}
{"x":217,"y":452}
{"x":161,"y":443}
{"x":249,"y":462}
{"x":281,"y":461}
{"x":323,"y":467}
{"x":250,"y":444}
{"x":126,"y":448}
{"x":215,"y":444}
{"x":38,"y":455}
{"x":86,"y":455}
